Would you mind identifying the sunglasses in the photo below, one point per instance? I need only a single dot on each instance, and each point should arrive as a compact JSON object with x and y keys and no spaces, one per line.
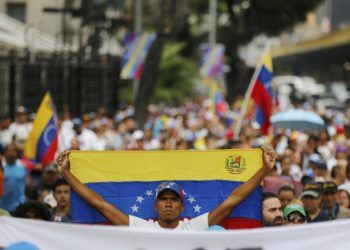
{"x":296,"y":218}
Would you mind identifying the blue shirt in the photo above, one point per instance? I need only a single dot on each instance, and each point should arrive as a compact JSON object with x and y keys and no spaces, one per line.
{"x":15,"y":180}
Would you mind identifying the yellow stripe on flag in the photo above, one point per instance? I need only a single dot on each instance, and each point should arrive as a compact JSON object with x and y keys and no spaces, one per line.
{"x":214,"y":87}
{"x":131,"y":63}
{"x":268,"y":61}
{"x":120,"y":166}
{"x":44,"y":114}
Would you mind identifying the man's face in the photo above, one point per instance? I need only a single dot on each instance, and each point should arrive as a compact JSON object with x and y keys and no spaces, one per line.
{"x":22,"y":117}
{"x":295,"y":218}
{"x":49,"y":178}
{"x":286,"y":164}
{"x":286,"y":197}
{"x":11,"y":154}
{"x":272,"y":212}
{"x":62,"y":195}
{"x":169,"y":206}
{"x":311,"y":203}
{"x":329,"y":198}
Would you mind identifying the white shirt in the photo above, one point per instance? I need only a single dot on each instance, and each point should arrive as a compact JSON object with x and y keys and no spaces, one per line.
{"x":66,"y":135}
{"x":197,"y":223}
{"x":88,"y":140}
{"x":5,"y":137}
{"x":20,"y":131}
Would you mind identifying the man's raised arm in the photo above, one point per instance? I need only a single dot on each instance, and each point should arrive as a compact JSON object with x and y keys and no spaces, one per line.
{"x":114,"y":215}
{"x":242,"y":192}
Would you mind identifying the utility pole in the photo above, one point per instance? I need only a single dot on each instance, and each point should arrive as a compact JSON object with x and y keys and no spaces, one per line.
{"x":212,"y":24}
{"x":138,"y":31}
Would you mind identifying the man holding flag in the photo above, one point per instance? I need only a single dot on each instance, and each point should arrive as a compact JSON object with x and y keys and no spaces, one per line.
{"x":169,"y":199}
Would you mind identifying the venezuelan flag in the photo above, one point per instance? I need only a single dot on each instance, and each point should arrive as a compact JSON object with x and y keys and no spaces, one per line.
{"x":135,"y":55}
{"x":128,"y":180}
{"x":219,"y":106}
{"x":42,"y":142}
{"x":212,"y":60}
{"x":262,"y":94}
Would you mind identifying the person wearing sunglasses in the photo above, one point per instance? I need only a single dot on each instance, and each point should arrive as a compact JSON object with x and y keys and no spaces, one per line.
{"x":294,"y":214}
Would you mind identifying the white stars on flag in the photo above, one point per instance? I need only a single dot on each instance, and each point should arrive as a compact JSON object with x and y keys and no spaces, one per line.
{"x":139,"y":199}
{"x":135,"y":209}
{"x":141,"y":203}
{"x":191,"y":199}
{"x":149,"y":193}
{"x":197,"y":209}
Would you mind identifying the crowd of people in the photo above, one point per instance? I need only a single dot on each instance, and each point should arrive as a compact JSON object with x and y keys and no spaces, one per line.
{"x":312,"y":169}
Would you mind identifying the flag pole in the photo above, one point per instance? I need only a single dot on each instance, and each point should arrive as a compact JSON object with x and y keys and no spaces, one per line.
{"x":248,"y":93}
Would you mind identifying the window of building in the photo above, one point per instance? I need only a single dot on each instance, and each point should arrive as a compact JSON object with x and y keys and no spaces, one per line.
{"x":17,"y":11}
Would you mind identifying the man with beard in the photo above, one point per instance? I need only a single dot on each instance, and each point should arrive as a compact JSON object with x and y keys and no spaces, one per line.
{"x":272,"y":210}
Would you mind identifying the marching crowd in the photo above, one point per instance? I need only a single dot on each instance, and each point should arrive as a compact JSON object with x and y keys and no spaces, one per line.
{"x":312,"y":169}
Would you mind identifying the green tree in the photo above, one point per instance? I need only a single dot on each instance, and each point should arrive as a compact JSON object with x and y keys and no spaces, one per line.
{"x":176,"y":75}
{"x":170,"y":21}
{"x":248,"y":19}
{"x":94,"y":15}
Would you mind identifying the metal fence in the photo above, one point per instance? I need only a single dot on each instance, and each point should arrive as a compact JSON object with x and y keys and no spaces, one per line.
{"x":80,"y":85}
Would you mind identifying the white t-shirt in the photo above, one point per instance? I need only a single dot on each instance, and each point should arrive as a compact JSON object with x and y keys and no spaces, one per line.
{"x":88,"y":140}
{"x":197,"y":223}
{"x":20,"y":131}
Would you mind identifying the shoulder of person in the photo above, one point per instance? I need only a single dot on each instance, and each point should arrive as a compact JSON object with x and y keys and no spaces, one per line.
{"x":344,"y":212}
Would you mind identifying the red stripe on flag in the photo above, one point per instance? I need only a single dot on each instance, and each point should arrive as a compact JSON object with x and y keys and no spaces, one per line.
{"x":240,"y":223}
{"x":28,"y":163}
{"x":230,"y":223}
{"x":263,"y":99}
{"x":139,"y":71}
{"x":49,"y":156}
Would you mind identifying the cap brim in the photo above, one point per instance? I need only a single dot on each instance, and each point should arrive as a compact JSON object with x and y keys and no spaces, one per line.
{"x":310,"y":193}
{"x":51,"y":170}
{"x":294,"y":210}
{"x":169,"y":189}
{"x":330,"y":190}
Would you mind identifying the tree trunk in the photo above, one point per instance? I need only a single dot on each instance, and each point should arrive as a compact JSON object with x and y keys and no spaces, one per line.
{"x":170,"y":23}
{"x":148,"y":80}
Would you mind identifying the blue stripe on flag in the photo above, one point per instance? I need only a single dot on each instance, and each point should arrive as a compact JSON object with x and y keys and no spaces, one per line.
{"x":137,"y":198}
{"x":265,"y":76}
{"x":46,"y":138}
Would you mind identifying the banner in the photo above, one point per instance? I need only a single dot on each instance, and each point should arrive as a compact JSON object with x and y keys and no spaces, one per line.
{"x":57,"y":236}
{"x":137,"y":47}
{"x":212,"y":60}
{"x":128,"y":180}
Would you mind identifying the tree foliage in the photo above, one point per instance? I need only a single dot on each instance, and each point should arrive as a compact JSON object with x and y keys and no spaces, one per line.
{"x":176,"y":75}
{"x":182,"y":21}
{"x":248,"y":19}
